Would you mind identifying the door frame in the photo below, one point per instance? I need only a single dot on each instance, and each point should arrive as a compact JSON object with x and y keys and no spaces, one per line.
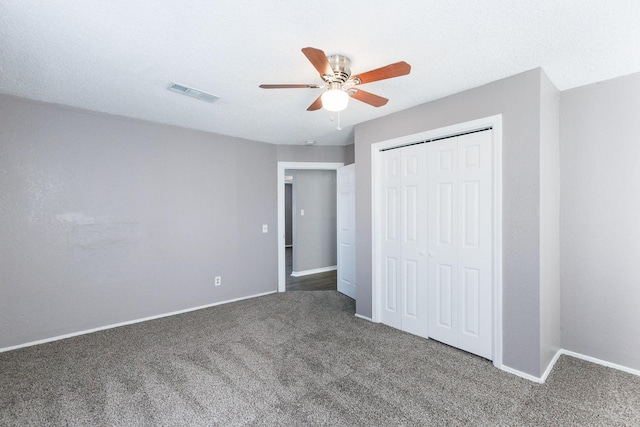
{"x":494,"y":122}
{"x":282,"y":167}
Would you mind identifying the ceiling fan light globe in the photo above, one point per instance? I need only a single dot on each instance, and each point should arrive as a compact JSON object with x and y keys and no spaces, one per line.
{"x":335,"y":100}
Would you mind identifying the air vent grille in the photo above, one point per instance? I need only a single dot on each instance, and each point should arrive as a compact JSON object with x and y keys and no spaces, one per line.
{"x":193,"y":93}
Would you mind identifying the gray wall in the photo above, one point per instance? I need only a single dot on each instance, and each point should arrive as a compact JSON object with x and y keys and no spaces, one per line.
{"x":105,"y":219}
{"x":313,"y":153}
{"x":600,"y":220}
{"x":349,"y":154}
{"x":517,"y":98}
{"x":314,"y":234}
{"x":550,"y":310}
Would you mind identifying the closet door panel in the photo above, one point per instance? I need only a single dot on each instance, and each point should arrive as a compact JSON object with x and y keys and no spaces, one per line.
{"x":444,"y":298}
{"x":442,"y":240}
{"x":475,"y":243}
{"x":390,"y":261}
{"x":413,"y":221}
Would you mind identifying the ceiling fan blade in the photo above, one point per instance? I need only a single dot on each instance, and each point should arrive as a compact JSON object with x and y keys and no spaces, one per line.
{"x":319,"y":60}
{"x":393,"y":70}
{"x":310,"y":86}
{"x":369,"y":98}
{"x":317,"y":104}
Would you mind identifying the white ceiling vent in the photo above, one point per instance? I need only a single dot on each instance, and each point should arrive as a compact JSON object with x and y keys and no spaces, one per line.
{"x":194,"y":93}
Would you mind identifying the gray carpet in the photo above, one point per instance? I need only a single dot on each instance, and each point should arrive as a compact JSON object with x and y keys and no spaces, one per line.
{"x":298,"y":358}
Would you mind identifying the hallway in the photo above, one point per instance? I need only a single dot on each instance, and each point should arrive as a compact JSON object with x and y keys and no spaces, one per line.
{"x":314,"y":282}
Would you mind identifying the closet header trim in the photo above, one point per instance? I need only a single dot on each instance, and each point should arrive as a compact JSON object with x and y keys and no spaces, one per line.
{"x":438,"y":139}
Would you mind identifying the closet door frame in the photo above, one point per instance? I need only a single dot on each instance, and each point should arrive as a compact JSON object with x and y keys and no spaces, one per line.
{"x":494,"y":122}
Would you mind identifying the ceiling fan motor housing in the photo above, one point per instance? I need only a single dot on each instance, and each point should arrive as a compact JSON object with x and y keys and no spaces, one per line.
{"x":341,"y":66}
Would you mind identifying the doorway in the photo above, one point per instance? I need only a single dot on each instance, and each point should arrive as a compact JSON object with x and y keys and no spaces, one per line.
{"x":310,"y":223}
{"x":282,"y":167}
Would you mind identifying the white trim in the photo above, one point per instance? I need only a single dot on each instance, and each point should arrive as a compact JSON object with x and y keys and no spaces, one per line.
{"x":282,"y":166}
{"x":521,"y":374}
{"x":443,"y":132}
{"x":130,"y":322}
{"x":494,"y":122}
{"x":535,"y":379}
{"x":601,"y":362}
{"x":360,"y":316}
{"x":375,"y":245}
{"x":313,"y":271}
{"x":569,"y":353}
{"x":550,"y":366}
{"x":497,"y":240}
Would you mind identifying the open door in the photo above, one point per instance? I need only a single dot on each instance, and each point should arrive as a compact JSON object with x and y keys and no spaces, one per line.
{"x":346,"y":210}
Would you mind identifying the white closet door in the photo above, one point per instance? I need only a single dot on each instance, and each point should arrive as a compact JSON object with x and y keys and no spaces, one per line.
{"x":459,"y":245}
{"x":346,"y":208}
{"x":413,"y":215}
{"x":475,"y":275}
{"x":402,"y":259}
{"x":442,"y":246}
{"x":389,"y":261}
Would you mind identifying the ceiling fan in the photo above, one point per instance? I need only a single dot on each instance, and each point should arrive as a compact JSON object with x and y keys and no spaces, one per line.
{"x":335,"y":70}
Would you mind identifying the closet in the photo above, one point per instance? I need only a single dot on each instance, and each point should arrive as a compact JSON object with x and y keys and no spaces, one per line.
{"x":435,"y":240}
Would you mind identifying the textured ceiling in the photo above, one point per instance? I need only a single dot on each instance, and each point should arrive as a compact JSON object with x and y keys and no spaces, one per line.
{"x":119,"y":56}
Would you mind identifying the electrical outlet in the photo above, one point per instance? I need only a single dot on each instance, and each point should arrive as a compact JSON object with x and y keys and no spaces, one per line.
{"x":218,"y":281}
{"x":265,"y":228}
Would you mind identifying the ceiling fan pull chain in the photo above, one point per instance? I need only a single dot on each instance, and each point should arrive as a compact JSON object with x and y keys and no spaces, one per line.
{"x":339,"y":127}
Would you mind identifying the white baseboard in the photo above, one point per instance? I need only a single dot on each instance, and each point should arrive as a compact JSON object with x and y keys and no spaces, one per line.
{"x":601,"y":362}
{"x":571,"y":354}
{"x":551,"y":365}
{"x":521,"y":374}
{"x":129,"y":322}
{"x":360,"y":316}
{"x":314,"y":271}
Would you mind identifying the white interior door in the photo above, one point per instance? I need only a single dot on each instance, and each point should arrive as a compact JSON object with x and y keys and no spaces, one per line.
{"x":460,"y":243}
{"x":346,"y":211}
